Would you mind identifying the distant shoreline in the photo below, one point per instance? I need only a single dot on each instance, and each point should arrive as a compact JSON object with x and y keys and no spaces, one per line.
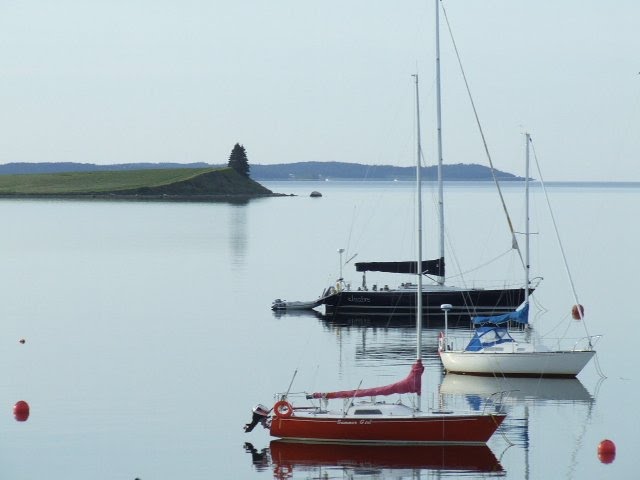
{"x":489,"y":182}
{"x":290,"y":171}
{"x":312,"y":172}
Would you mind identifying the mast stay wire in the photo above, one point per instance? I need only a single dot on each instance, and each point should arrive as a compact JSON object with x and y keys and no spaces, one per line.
{"x":514,"y":240}
{"x":557,"y":232}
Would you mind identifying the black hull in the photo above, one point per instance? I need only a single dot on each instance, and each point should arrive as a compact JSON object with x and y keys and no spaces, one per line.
{"x":465,"y":303}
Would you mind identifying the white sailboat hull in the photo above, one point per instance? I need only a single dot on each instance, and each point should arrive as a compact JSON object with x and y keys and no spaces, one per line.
{"x":566,"y":363}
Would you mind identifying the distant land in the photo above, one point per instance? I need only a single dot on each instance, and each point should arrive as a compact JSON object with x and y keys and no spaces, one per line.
{"x":197,"y":181}
{"x":357,"y":171}
{"x":181,"y":184}
{"x":283,"y":171}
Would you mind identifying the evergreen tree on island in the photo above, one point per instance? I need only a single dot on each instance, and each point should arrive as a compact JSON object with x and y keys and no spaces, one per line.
{"x":238,"y":160}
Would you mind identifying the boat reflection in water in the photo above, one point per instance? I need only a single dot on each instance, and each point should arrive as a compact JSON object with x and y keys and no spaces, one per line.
{"x":296,"y":313}
{"x":524,"y":395}
{"x":521,"y":390}
{"x":350,"y":320}
{"x":260,"y":459}
{"x":379,"y":338}
{"x":288,"y":459}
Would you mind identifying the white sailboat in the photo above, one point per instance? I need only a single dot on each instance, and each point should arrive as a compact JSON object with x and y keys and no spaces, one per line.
{"x":494,"y":351}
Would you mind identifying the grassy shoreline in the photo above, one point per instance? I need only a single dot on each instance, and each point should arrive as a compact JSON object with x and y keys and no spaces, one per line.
{"x":177,"y":184}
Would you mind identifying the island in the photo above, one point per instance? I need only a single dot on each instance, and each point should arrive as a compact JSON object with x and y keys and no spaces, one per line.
{"x":182,"y":184}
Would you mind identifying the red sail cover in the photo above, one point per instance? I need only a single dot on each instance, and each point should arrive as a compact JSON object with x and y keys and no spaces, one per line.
{"x":411,"y":384}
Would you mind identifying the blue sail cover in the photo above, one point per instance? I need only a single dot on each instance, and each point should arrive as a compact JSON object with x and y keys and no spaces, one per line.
{"x":520,"y":315}
{"x":488,"y":337}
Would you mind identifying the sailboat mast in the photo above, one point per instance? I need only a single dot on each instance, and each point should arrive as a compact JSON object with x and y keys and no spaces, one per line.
{"x":526,"y":230}
{"x":418,"y":228}
{"x":440,"y":279}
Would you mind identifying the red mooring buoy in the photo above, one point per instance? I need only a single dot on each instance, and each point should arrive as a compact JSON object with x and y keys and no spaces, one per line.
{"x":577,"y":312}
{"x":21,"y":411}
{"x":606,"y":451}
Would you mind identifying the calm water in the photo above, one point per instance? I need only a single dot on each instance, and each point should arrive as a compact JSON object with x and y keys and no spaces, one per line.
{"x":148,"y":333}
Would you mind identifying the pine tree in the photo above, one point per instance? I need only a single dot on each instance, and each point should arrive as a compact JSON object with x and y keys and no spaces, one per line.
{"x":238,"y":160}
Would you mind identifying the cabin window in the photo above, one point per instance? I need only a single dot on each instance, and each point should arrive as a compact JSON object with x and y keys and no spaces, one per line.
{"x":368,"y":411}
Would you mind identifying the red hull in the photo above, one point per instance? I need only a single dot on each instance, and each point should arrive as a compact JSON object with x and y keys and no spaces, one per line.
{"x":288,"y":455}
{"x":445,"y":429}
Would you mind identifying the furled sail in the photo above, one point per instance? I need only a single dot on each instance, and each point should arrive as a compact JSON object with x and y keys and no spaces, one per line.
{"x":520,"y":315}
{"x":429,"y":267}
{"x":411,"y":384}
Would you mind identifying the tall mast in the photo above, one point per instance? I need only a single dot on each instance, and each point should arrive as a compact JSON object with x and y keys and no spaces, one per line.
{"x":440,"y":280}
{"x":527,"y":266}
{"x":418,"y":228}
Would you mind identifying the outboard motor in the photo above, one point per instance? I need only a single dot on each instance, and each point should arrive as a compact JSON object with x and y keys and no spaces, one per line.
{"x":260,"y":415}
{"x":279,"y":304}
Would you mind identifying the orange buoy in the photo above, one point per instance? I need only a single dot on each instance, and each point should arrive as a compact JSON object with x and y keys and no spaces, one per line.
{"x":577,"y":312}
{"x":606,"y":451}
{"x":21,"y":411}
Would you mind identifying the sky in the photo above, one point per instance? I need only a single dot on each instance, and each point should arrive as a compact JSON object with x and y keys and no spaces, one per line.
{"x":124,"y":81}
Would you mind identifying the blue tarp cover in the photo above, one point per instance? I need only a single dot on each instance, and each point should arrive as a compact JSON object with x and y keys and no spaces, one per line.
{"x":521,"y":315}
{"x":488,"y":337}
